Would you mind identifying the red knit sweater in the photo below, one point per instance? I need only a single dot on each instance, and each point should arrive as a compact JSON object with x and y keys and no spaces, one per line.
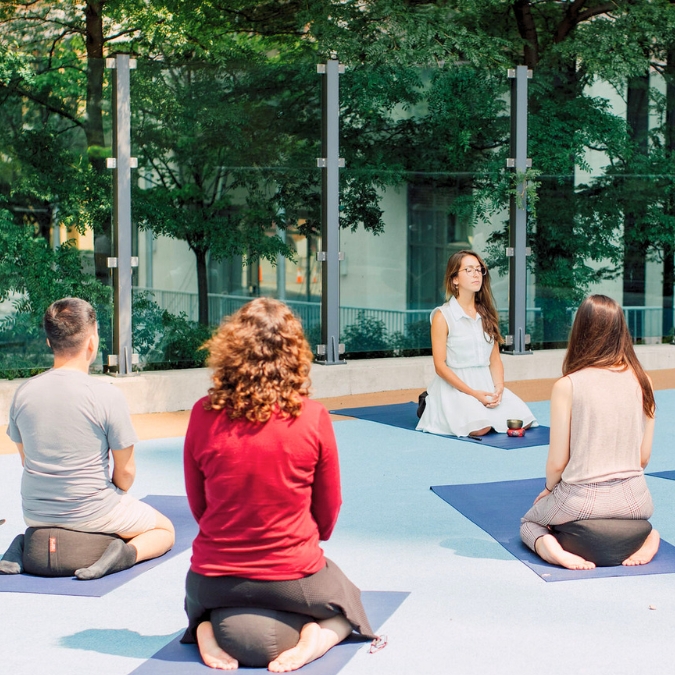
{"x":262,"y":494}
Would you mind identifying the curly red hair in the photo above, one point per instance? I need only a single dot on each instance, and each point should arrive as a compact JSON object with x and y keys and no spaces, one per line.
{"x":261,"y":363}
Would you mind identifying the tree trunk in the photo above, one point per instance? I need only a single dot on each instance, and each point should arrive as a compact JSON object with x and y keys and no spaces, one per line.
{"x":94,"y":127}
{"x":95,"y":68}
{"x":635,"y":248}
{"x":554,"y":244}
{"x":202,"y":286}
{"x":668,"y":283}
{"x":668,"y":249}
{"x":528,"y":31}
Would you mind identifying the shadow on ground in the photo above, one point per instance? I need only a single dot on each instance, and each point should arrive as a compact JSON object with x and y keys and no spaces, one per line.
{"x":472,"y":547}
{"x":117,"y":641}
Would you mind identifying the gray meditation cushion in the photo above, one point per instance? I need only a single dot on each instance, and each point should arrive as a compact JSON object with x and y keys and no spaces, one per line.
{"x":607,"y":542}
{"x":57,"y":552}
{"x":256,"y":636}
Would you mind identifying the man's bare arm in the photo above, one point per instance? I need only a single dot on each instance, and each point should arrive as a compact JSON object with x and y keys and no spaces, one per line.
{"x":21,"y":453}
{"x":124,"y":468}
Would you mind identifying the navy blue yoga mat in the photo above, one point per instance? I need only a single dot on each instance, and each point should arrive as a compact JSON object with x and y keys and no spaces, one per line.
{"x":404,"y":416}
{"x":173,"y":507}
{"x":178,"y":659}
{"x":498,"y":507}
{"x":668,"y":475}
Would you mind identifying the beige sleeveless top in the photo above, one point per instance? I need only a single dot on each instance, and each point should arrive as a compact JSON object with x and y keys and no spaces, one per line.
{"x":608,"y":424}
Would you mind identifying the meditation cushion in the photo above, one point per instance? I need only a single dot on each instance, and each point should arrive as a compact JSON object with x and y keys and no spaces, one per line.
{"x":56,"y":552}
{"x":256,"y":636}
{"x":607,"y":542}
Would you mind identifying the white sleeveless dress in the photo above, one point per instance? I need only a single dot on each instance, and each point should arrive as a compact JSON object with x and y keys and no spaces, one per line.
{"x":450,"y":412}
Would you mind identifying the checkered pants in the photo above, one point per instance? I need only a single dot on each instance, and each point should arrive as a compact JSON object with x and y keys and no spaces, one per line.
{"x":626,"y":498}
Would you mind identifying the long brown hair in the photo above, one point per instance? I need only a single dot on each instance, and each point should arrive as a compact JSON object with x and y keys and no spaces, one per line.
{"x":485,"y":304}
{"x":261,"y":362}
{"x":600,"y":339}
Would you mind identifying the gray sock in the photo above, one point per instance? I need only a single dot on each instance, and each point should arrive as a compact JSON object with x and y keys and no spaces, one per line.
{"x":117,"y":557}
{"x":12,"y":561}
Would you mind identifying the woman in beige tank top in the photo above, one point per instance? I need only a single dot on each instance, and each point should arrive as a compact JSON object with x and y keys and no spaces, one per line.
{"x":602,"y":425}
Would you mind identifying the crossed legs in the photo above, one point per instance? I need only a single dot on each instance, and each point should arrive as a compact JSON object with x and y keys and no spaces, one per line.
{"x":121,"y":555}
{"x":118,"y":556}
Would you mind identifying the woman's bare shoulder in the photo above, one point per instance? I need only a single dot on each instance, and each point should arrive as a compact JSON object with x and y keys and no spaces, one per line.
{"x":563,"y":385}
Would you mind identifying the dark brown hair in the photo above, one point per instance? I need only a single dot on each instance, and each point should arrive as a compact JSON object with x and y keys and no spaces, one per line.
{"x":485,"y":304}
{"x":261,"y":362}
{"x":68,"y":323}
{"x":600,"y":339}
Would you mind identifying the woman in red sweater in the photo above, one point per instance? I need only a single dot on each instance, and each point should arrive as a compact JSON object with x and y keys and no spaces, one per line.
{"x":263,"y":482}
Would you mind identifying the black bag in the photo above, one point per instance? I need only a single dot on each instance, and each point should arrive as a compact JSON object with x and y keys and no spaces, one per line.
{"x":422,"y":403}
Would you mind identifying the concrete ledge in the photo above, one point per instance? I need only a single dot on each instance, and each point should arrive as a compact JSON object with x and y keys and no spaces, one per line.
{"x":533,"y":375}
{"x":371,"y":375}
{"x":163,"y":390}
{"x":155,"y":391}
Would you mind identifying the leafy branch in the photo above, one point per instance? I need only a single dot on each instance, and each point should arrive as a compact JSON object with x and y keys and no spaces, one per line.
{"x":524,"y":187}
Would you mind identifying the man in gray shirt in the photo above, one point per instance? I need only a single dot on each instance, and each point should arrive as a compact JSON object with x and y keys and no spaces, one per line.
{"x":66,"y":425}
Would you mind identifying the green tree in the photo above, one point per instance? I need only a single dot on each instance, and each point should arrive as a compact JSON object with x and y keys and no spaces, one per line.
{"x":230,"y":84}
{"x":201,"y":147}
{"x":569,"y":46}
{"x":32,"y":276}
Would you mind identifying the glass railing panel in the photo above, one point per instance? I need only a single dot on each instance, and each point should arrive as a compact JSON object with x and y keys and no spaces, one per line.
{"x":605,"y":213}
{"x":425,"y":177}
{"x":227,"y":203}
{"x":55,"y":203}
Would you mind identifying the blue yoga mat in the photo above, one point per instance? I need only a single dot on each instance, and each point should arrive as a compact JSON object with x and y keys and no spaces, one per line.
{"x":668,"y":475}
{"x":498,"y":507}
{"x":404,"y":416}
{"x":173,"y":507}
{"x":178,"y":659}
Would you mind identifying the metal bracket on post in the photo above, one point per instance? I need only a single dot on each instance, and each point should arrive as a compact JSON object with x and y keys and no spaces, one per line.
{"x":121,"y":264}
{"x":330,"y":164}
{"x":517,"y":340}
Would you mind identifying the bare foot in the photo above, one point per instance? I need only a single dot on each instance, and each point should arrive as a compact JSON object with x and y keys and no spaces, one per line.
{"x":548,"y":548}
{"x":308,"y":649}
{"x":315,"y":640}
{"x":646,"y":552}
{"x":212,"y":655}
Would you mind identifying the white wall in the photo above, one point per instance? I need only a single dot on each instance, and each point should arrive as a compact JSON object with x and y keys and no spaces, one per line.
{"x":478,"y":241}
{"x":597,"y":161}
{"x":174,"y":265}
{"x":374,"y":271}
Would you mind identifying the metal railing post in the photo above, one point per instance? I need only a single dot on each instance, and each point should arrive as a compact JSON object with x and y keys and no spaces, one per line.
{"x":517,"y":339}
{"x":121,"y":163}
{"x":330,"y":164}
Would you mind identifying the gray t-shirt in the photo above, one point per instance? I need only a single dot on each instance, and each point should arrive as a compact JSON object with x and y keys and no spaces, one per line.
{"x":68,"y":422}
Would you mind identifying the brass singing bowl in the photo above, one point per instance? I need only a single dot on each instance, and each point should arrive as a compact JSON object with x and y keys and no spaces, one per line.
{"x":514,"y":424}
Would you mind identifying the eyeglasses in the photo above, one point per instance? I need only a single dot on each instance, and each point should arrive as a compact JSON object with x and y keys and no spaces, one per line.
{"x":474,"y":270}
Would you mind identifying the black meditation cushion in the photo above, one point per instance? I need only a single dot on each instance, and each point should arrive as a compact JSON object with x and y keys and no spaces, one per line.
{"x":56,"y":552}
{"x":256,"y":636}
{"x":607,"y":542}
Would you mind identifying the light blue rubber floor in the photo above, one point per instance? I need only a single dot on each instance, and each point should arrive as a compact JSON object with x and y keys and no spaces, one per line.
{"x":473,"y":609}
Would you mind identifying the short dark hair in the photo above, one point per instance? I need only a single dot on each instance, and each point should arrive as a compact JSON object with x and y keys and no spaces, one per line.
{"x":67,"y":323}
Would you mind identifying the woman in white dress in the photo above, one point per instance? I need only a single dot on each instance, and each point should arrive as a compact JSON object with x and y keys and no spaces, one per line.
{"x":467,"y":396}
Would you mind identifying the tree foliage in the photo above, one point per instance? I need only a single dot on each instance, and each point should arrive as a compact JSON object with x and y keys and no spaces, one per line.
{"x":226,"y":105}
